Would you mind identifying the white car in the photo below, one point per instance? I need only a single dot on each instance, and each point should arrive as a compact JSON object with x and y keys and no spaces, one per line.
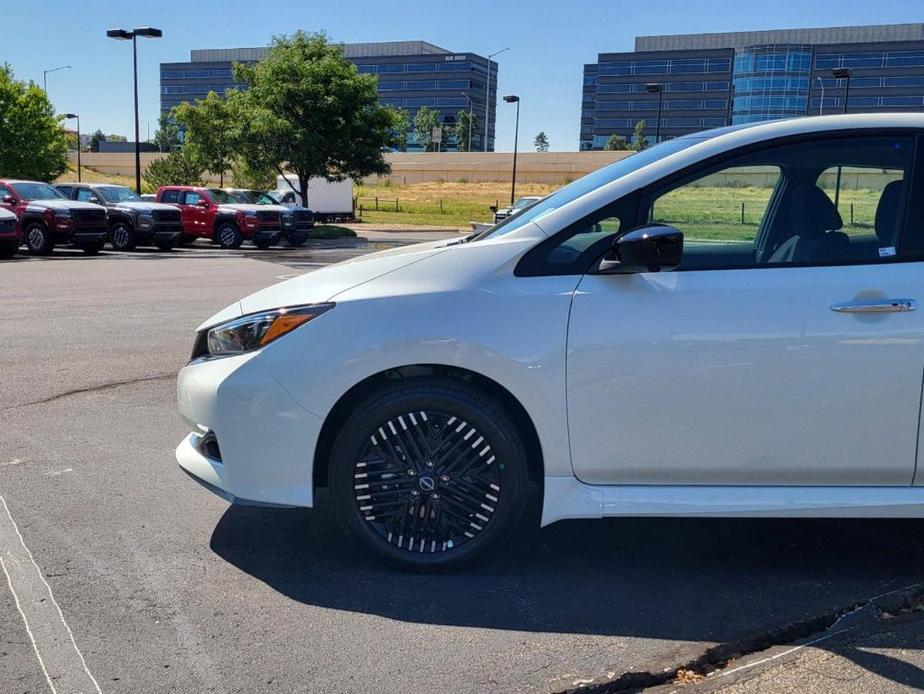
{"x":521,"y":204}
{"x":724,"y":324}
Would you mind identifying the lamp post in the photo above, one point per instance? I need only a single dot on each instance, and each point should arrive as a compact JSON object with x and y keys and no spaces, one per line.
{"x":514,"y":99}
{"x":71,"y":116}
{"x":487,"y":97}
{"x":471,"y":105}
{"x":656,"y":88}
{"x":123,"y":35}
{"x":842,"y":73}
{"x":821,"y":104}
{"x":45,"y":76}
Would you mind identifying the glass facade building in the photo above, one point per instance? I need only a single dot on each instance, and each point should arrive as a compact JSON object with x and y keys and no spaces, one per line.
{"x":710,"y":80}
{"x":411,"y":74}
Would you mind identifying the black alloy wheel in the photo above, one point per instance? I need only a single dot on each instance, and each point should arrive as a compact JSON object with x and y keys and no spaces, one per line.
{"x":39,"y":240}
{"x":229,"y":236}
{"x":122,"y":237}
{"x":429,"y":473}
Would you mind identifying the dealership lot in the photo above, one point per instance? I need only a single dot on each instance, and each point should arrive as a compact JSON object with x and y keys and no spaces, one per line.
{"x":166,"y":588}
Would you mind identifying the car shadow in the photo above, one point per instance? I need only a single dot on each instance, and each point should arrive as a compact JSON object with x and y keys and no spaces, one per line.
{"x":703,"y":579}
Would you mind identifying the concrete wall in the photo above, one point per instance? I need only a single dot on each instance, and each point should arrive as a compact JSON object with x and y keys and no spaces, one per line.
{"x":532,"y":167}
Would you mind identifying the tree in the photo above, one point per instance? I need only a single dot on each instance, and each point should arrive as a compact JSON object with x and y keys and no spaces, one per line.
{"x":32,"y":139}
{"x":615,"y":142}
{"x":211,"y":133}
{"x":466,"y":122}
{"x":95,"y":139}
{"x":175,"y":169}
{"x":425,"y":122}
{"x":167,"y":137}
{"x":541,"y":142}
{"x":307,"y":108}
{"x":244,"y":176}
{"x":115,"y":138}
{"x":640,"y":140}
{"x":399,"y":129}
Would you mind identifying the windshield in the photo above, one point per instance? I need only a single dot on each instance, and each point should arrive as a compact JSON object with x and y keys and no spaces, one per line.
{"x":37,"y":191}
{"x":222,"y":198}
{"x":266,"y":199}
{"x":242,"y":195}
{"x":525,"y":202}
{"x":118,"y":194}
{"x":587,"y":184}
{"x":273,"y":195}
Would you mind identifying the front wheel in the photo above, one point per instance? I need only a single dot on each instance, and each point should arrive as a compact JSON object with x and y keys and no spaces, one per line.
{"x":429,"y":473}
{"x":122,"y":237}
{"x":229,"y":236}
{"x":39,"y":240}
{"x":297,"y":239}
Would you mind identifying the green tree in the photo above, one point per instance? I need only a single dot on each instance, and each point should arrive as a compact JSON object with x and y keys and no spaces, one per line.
{"x":466,"y":123}
{"x":167,"y":137}
{"x":541,"y":143}
{"x":425,"y":122}
{"x":95,"y":139}
{"x":245,"y":176}
{"x":615,"y":142}
{"x":399,"y":129}
{"x":211,"y":133}
{"x":115,"y":138}
{"x":32,"y":139}
{"x":307,"y":108}
{"x":175,"y":169}
{"x":640,"y":139}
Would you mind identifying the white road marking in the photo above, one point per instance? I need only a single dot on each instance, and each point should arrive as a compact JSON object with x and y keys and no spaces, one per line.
{"x":55,"y":473}
{"x":14,"y":461}
{"x":52,"y":639}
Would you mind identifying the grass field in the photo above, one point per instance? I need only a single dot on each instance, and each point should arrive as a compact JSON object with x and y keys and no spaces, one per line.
{"x":439,"y":204}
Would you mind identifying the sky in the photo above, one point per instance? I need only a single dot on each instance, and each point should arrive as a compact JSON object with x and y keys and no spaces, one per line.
{"x":549,"y":41}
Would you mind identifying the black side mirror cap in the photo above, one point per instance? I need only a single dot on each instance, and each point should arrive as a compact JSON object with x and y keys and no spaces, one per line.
{"x":650,"y":248}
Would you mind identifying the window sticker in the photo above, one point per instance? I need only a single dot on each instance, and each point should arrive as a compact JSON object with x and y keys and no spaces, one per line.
{"x":887,"y":252}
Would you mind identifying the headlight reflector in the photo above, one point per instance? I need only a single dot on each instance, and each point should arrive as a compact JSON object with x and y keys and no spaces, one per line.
{"x":254,"y":331}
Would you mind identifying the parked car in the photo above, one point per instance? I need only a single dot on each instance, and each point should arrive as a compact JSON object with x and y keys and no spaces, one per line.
{"x":297,"y":221}
{"x":10,"y":235}
{"x":214,"y":214}
{"x":148,"y":197}
{"x":47,"y":218}
{"x":329,"y":201}
{"x":132,"y":221}
{"x":632,"y":344}
{"x":521,"y":204}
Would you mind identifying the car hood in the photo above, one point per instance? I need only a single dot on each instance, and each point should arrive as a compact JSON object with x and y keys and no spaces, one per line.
{"x":243,"y":206}
{"x":6,"y":214}
{"x":54,"y":204}
{"x":325,"y":284}
{"x":144,"y":206}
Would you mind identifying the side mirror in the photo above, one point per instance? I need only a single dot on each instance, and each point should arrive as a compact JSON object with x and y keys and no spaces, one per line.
{"x":202,"y":203}
{"x":94,"y":200}
{"x":7,"y":200}
{"x":651,"y":248}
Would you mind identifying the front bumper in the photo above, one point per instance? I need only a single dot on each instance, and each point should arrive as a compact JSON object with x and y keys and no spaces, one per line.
{"x":163,"y":233}
{"x":268,"y":234}
{"x":88,"y":234}
{"x":266,"y":439}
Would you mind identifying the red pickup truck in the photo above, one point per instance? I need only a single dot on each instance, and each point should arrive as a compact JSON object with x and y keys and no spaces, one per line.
{"x":214,"y":214}
{"x":47,"y":218}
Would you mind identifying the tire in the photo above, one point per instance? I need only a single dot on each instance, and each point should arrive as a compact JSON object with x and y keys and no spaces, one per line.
{"x":434,"y":446}
{"x":229,"y":236}
{"x":122,"y":237}
{"x":297,"y":239}
{"x":39,"y":240}
{"x":91,"y":248}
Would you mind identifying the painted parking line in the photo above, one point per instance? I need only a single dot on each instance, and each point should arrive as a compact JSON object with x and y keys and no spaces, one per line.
{"x":61,"y":660}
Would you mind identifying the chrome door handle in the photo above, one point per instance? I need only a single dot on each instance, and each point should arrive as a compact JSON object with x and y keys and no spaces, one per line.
{"x":875,"y":306}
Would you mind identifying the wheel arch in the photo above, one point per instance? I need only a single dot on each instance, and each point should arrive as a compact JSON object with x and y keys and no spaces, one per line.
{"x":341,"y":411}
{"x":120,"y":217}
{"x":222,"y":219}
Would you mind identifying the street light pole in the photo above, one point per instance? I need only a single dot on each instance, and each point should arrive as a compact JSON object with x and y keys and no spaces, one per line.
{"x":843,"y":73}
{"x":471,"y":106}
{"x":652,"y":88}
{"x":514,"y":99}
{"x":487,"y":97}
{"x":821,"y":104}
{"x":123,"y":35}
{"x":45,"y":76}
{"x":70,"y":116}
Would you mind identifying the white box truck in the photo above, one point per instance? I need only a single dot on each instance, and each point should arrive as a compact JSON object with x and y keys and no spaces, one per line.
{"x":329,"y":201}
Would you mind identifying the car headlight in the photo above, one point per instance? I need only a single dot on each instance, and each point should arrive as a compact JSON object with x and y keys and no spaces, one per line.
{"x":62,"y":214}
{"x":254,"y":331}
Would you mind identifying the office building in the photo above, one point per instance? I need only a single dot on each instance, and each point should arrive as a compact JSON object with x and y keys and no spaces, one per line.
{"x":411,"y":74}
{"x":709,"y":80}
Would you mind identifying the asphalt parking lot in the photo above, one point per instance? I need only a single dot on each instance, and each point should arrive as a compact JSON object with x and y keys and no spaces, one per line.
{"x":164,"y":587}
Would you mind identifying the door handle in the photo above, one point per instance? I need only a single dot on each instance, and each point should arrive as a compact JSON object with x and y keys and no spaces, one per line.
{"x":875,"y":306}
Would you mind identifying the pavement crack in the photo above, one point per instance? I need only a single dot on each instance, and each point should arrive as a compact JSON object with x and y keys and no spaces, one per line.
{"x":88,"y":389}
{"x":718,"y":657}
